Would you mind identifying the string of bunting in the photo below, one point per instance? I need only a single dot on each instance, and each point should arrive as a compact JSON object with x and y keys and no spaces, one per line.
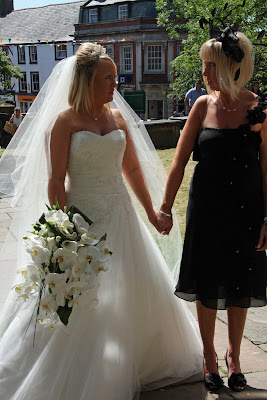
{"x":31,"y":42}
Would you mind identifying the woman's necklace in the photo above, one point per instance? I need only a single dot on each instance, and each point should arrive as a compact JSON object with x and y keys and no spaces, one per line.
{"x":98,"y":116}
{"x":231,"y":109}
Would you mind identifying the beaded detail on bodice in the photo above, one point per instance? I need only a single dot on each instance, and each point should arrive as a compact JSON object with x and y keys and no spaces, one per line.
{"x":94,"y":180}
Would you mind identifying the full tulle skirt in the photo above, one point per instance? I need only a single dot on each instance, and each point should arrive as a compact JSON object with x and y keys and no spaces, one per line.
{"x":140,"y":336}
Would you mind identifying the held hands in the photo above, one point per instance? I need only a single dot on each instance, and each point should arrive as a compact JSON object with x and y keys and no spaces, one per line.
{"x":165,"y":223}
{"x":153,"y":218}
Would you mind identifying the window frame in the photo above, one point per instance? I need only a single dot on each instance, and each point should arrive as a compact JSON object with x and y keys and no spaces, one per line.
{"x":24,"y":82}
{"x":30,"y":54}
{"x":20,"y":47}
{"x":32,"y":82}
{"x":121,"y":11}
{"x":90,"y":19}
{"x":110,"y":47}
{"x":180,"y":48}
{"x":150,"y":70}
{"x":57,"y":51}
{"x":122,"y":59}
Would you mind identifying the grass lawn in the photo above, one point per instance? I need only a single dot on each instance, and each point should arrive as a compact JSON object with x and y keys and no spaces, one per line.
{"x":181,"y":200}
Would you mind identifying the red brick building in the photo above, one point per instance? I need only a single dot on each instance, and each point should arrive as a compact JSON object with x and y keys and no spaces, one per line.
{"x":141,"y":50}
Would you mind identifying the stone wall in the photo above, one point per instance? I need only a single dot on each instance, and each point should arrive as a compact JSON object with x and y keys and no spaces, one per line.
{"x":164,"y":133}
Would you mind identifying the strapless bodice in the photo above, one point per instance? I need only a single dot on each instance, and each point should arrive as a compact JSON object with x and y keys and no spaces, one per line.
{"x":94,"y":180}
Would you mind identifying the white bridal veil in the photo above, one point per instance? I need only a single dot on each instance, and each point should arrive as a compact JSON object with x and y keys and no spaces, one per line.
{"x":25,"y":166}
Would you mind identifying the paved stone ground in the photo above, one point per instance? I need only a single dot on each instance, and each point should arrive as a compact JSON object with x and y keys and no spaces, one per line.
{"x":253,"y":350}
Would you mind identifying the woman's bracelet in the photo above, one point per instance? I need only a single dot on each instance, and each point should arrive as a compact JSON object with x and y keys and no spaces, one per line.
{"x":166,"y":214}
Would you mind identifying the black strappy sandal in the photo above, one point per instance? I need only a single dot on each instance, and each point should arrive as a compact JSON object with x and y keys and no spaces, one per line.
{"x":237,"y":381}
{"x":213,"y":381}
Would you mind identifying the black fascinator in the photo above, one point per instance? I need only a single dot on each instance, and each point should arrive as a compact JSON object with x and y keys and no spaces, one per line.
{"x":227,"y":36}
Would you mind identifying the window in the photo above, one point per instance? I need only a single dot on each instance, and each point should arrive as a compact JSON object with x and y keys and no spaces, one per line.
{"x":110,"y":51}
{"x":61,"y":51}
{"x":180,"y":48}
{"x":33,"y":54}
{"x":154,"y":58}
{"x":93,"y":15}
{"x":123,"y":11}
{"x":23,"y":83}
{"x":21,"y":55}
{"x":35,"y":81}
{"x":126,"y":53}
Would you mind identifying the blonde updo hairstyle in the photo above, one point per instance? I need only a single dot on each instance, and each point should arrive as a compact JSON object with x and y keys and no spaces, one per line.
{"x":88,"y":57}
{"x":226,"y":67}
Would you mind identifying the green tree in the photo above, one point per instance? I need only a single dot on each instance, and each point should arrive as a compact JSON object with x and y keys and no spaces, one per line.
{"x":7,"y":71}
{"x":183,"y":16}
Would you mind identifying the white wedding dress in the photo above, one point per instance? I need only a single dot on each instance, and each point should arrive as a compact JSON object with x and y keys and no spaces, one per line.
{"x":139,"y":337}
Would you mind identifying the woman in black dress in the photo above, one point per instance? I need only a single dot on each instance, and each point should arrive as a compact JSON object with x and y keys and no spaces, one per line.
{"x":224,"y":261}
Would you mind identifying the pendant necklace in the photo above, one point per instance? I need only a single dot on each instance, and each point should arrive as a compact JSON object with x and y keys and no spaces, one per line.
{"x":231,"y":109}
{"x":98,"y":116}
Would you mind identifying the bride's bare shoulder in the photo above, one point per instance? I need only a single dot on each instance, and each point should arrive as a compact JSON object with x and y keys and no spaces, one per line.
{"x":66,"y":119}
{"x":118,"y":118}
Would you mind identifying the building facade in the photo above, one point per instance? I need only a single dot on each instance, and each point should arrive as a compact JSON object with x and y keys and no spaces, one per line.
{"x":141,"y":50}
{"x":36,"y":39}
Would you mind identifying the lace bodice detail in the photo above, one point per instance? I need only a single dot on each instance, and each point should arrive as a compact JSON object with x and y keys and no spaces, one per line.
{"x":94,"y":176}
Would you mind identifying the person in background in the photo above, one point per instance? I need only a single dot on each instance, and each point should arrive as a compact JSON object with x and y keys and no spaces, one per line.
{"x":16,"y":118}
{"x":256,"y":89}
{"x":192,"y":95}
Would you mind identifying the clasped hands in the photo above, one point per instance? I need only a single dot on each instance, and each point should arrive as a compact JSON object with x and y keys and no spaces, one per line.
{"x":161,"y":222}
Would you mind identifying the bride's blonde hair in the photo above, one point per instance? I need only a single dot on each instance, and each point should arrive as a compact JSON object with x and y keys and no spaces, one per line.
{"x":88,"y":57}
{"x":226,"y":67}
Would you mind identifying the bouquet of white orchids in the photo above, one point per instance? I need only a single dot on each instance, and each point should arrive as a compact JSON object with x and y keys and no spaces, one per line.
{"x":67,"y":253}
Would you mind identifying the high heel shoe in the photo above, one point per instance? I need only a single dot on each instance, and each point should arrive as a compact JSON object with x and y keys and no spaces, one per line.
{"x":212,"y":381}
{"x":237,"y":381}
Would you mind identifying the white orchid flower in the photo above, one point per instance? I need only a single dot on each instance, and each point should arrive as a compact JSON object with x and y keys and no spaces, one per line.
{"x":48,"y":323}
{"x":70,"y":245}
{"x":104,"y":250}
{"x":98,"y":266}
{"x":87,"y":238}
{"x":48,"y":304}
{"x":25,"y":289}
{"x":88,"y":253}
{"x":78,"y":270}
{"x":40,"y":255}
{"x":97,"y":230}
{"x":32,"y":240}
{"x":66,"y":259}
{"x":74,"y":288}
{"x":81,"y":225}
{"x":32,"y":273}
{"x":56,"y":282}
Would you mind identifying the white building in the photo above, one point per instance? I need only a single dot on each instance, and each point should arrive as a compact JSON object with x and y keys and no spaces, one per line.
{"x":36,"y":39}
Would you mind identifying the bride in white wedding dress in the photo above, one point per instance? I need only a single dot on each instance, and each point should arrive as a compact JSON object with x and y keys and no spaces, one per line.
{"x":140,"y":336}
